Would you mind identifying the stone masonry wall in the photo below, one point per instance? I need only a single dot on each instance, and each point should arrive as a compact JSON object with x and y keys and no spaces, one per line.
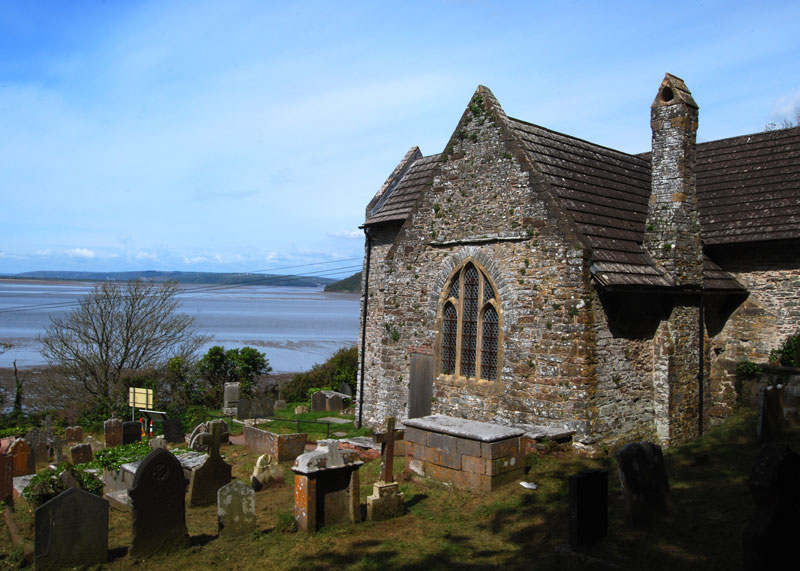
{"x":483,"y":206}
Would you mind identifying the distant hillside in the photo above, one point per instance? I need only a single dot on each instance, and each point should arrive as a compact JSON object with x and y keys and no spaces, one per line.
{"x":351,"y":284}
{"x":182,"y":277}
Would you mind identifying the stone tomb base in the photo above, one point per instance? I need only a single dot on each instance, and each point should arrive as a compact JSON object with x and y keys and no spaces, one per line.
{"x":472,"y":455}
{"x":386,"y":501}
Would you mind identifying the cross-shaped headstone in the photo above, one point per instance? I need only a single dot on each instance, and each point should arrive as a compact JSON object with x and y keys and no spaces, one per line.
{"x":386,"y":440}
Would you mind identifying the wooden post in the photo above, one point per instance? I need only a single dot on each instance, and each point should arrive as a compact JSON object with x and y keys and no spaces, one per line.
{"x":386,"y":440}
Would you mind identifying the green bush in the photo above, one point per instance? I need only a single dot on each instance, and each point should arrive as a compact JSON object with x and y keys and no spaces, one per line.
{"x":788,"y":354}
{"x":340,"y":368}
{"x":113,"y":458}
{"x":47,"y":484}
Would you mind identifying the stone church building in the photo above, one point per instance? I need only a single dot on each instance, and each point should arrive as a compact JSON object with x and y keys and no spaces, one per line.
{"x":523,"y":276}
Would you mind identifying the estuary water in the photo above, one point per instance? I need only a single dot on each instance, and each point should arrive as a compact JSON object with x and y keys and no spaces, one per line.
{"x":295,"y":327}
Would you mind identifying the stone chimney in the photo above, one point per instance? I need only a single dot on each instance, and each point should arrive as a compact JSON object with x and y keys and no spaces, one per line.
{"x":672,"y":233}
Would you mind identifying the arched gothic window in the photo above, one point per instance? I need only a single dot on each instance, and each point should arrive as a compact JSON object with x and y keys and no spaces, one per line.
{"x":470,"y":334}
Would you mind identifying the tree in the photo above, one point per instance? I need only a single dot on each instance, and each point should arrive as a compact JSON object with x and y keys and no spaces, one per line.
{"x":785,"y":123}
{"x":119,"y":329}
{"x":242,"y":366}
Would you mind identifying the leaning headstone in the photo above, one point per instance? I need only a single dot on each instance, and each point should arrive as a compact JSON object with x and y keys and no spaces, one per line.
{"x":159,"y":510}
{"x":6,"y":479}
{"x":588,"y":507}
{"x":173,"y":430}
{"x":131,"y":432}
{"x":770,"y":414}
{"x":768,"y":540}
{"x":643,"y":477}
{"x":202,"y":427}
{"x":236,"y":509}
{"x":113,"y":432}
{"x":71,"y":530}
{"x":24,"y":463}
{"x":211,"y":475}
{"x":266,"y":473}
{"x":73,"y":434}
{"x":81,"y":453}
{"x":68,"y":480}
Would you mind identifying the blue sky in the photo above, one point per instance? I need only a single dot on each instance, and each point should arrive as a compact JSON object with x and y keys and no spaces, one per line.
{"x":247,"y":136}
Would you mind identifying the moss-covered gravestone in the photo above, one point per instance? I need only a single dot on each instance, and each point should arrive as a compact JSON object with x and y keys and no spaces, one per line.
{"x":71,"y":530}
{"x":211,"y":475}
{"x":159,"y":509}
{"x":236,"y":509}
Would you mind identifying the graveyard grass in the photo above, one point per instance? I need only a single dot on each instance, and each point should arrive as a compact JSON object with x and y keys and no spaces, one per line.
{"x":512,"y":528}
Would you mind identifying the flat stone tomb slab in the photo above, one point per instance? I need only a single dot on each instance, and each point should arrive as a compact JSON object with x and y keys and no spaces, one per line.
{"x":473,"y":455}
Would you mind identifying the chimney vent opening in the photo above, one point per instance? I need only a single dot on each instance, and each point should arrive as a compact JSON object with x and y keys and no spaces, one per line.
{"x":666,"y":94}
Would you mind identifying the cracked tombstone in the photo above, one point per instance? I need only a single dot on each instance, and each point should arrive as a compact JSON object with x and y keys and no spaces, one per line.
{"x":214,"y":473}
{"x":386,"y":501}
{"x":236,"y":509}
{"x":71,"y":530}
{"x":159,"y":508}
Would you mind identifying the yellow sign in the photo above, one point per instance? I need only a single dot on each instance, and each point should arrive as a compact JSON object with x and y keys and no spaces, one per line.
{"x":140,"y":398}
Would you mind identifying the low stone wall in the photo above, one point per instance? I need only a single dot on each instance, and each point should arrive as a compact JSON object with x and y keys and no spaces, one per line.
{"x":282,"y":447}
{"x":472,"y":455}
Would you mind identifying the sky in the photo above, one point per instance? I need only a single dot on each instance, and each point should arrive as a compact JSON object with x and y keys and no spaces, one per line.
{"x":244,"y":136}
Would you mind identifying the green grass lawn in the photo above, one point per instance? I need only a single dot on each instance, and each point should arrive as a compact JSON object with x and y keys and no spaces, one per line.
{"x":510,"y":528}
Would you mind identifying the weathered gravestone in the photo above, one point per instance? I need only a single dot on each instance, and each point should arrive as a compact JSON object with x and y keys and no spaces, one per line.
{"x":95,"y":444}
{"x":57,"y":449}
{"x":131,"y":431}
{"x":7,"y":479}
{"x":81,"y":453}
{"x":768,"y":540}
{"x":230,"y":398}
{"x":158,"y":442}
{"x":386,"y":501}
{"x":327,"y":400}
{"x":326,"y":486}
{"x":113,"y":432}
{"x":770,"y":414}
{"x":211,"y":475}
{"x":159,"y":509}
{"x":224,"y":435}
{"x":345,"y":389}
{"x":236,"y":509}
{"x":200,"y":441}
{"x":643,"y":477}
{"x":266,"y":473}
{"x":24,"y":463}
{"x":71,"y":530}
{"x":588,"y":507}
{"x":261,"y":405}
{"x":243,"y":409}
{"x":301,"y":409}
{"x":280,"y":404}
{"x":173,"y":430}
{"x":73,"y":434}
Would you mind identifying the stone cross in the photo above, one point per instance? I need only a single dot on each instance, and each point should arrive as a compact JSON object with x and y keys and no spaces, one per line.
{"x":386,"y":440}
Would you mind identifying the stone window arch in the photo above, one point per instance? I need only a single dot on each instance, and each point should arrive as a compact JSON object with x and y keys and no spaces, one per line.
{"x":470,"y":332}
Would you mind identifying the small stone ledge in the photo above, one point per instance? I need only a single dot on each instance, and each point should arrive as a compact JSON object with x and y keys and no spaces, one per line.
{"x":537,"y":432}
{"x":483,"y":239}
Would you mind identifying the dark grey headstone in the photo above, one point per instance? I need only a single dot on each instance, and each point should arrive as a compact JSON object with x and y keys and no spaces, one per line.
{"x":131,"y":432}
{"x":159,"y":509}
{"x":211,"y":475}
{"x":588,"y":507}
{"x":345,"y":389}
{"x":768,"y":540}
{"x":420,"y":388}
{"x":71,"y":530}
{"x":770,"y":414}
{"x":173,"y":430}
{"x":261,"y":405}
{"x":643,"y":476}
{"x":236,"y":509}
{"x":243,"y":409}
{"x":36,"y":439}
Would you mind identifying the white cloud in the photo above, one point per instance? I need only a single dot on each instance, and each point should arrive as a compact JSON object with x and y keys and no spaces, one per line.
{"x":44,"y":253}
{"x":81,"y":253}
{"x":352,"y":235}
{"x":146,"y":256}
